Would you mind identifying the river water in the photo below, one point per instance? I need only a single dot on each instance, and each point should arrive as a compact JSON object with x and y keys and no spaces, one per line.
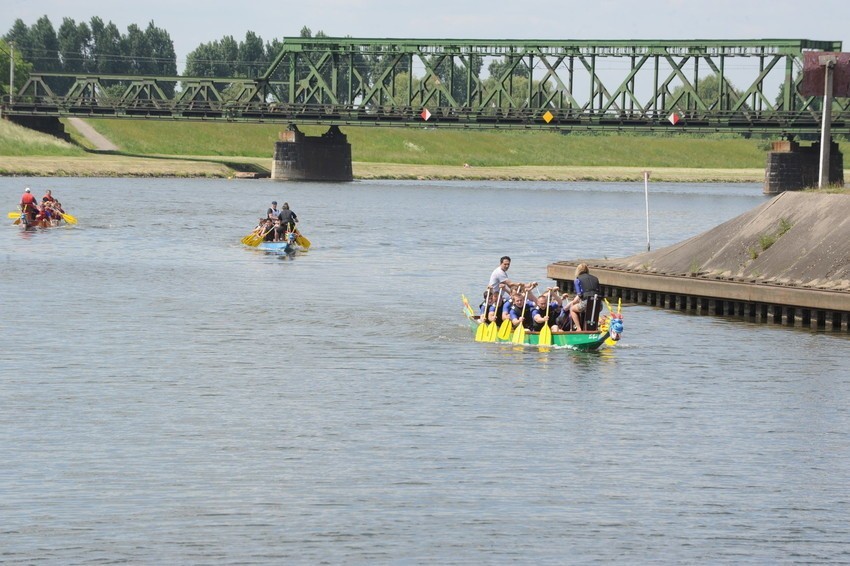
{"x":171,"y":396}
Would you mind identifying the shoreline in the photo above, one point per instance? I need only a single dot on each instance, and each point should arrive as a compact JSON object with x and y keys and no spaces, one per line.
{"x":117,"y":165}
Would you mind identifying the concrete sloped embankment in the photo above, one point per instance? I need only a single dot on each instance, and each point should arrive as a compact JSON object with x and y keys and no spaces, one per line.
{"x":791,"y":252}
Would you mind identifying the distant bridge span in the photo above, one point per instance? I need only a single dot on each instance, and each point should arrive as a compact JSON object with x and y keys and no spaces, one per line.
{"x":743,"y":86}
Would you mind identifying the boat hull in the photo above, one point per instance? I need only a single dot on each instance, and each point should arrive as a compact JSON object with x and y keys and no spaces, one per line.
{"x":276,"y":247}
{"x":584,"y":341}
{"x":28,"y":224}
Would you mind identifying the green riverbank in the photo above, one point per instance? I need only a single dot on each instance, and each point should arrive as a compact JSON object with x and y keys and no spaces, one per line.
{"x":190,"y":149}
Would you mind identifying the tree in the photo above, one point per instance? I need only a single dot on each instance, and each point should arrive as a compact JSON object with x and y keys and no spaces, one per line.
{"x":107,"y":51}
{"x":75,"y":46}
{"x":215,"y":59}
{"x":21,"y":68}
{"x":162,"y":55}
{"x":455,"y":75}
{"x":708,"y":89}
{"x":135,"y":48}
{"x":402,"y":83}
{"x":510,"y":64}
{"x":252,"y":56}
{"x":518,"y":90}
{"x":38,"y":44}
{"x":45,"y":46}
{"x":19,"y":34}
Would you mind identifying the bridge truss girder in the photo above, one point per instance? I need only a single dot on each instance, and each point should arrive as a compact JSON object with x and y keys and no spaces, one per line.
{"x":555,"y":85}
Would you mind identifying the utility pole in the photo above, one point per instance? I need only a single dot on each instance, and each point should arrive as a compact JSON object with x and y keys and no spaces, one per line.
{"x":828,"y":62}
{"x":646,"y":198}
{"x":11,"y":73}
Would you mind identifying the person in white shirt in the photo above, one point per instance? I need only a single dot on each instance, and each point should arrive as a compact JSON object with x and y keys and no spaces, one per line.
{"x":499,"y":278}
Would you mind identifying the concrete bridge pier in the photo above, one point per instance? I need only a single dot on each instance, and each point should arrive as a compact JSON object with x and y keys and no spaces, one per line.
{"x":298,"y":157}
{"x":791,"y":167}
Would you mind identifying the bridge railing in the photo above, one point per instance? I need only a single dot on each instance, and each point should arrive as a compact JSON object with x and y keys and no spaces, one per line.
{"x":745,"y":86}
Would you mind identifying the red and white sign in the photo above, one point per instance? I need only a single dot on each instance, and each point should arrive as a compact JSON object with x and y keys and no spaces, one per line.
{"x":674,"y":118}
{"x":425,"y":114}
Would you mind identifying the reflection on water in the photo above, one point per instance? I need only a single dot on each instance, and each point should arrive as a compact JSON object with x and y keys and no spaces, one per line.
{"x":170,"y":395}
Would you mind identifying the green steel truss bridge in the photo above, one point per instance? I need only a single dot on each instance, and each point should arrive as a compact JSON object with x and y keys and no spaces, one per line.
{"x":744,"y":86}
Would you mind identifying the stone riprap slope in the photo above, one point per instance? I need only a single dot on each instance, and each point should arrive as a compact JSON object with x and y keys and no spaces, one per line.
{"x":795,"y":239}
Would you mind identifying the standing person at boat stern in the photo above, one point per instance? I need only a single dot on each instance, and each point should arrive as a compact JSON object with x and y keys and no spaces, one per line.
{"x":587,"y":287}
{"x":288,"y":218}
{"x":29,"y":206}
{"x":500,"y":276}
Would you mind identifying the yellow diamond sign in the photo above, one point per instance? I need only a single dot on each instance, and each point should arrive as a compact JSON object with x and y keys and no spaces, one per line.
{"x":548,"y":117}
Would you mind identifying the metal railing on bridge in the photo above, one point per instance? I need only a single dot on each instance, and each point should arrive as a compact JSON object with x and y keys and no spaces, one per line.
{"x":747,"y":86}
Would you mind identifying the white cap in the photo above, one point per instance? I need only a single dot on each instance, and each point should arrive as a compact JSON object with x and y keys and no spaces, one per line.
{"x":27,"y":190}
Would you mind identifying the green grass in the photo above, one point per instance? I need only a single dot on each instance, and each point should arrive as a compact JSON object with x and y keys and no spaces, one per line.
{"x":19,"y":141}
{"x":445,"y":147}
{"x":418,"y":146}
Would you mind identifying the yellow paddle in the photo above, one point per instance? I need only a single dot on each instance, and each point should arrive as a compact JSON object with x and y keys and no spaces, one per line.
{"x":467,"y":308}
{"x":253,"y":239}
{"x":481,"y":331}
{"x":14,"y":215}
{"x":519,"y":333}
{"x":68,"y":218}
{"x":545,"y":338}
{"x":492,"y":329}
{"x":302,"y":241}
{"x":505,"y":328}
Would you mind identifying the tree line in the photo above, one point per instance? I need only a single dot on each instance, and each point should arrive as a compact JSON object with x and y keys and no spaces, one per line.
{"x":99,"y":47}
{"x":93,"y":47}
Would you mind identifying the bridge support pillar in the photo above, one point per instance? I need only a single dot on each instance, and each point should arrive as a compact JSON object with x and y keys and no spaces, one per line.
{"x":298,"y":157}
{"x":45,"y":124}
{"x":791,"y":167}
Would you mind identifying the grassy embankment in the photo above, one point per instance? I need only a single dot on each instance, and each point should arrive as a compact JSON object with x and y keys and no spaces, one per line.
{"x":167,"y":148}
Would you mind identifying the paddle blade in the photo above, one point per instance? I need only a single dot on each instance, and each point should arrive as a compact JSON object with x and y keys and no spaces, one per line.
{"x":68,"y":218}
{"x":14,"y":215}
{"x":492,"y":332}
{"x":303,"y":242}
{"x":252,"y":240}
{"x":18,"y":221}
{"x":519,"y":335}
{"x":545,"y":338}
{"x":505,"y":330}
{"x":481,"y":332}
{"x":467,"y":308}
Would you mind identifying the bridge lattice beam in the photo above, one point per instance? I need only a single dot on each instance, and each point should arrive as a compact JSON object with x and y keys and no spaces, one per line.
{"x":711,"y":85}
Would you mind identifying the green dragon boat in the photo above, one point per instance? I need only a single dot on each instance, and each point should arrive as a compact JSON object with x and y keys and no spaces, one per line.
{"x":608,"y":334}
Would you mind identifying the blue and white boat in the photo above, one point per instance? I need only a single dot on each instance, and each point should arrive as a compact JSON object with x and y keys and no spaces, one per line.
{"x":276,"y":247}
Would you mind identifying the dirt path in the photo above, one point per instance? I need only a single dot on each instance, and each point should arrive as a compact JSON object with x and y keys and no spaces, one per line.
{"x":99,"y":142}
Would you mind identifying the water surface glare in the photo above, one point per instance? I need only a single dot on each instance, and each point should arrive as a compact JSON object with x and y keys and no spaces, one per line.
{"x":171,"y":396}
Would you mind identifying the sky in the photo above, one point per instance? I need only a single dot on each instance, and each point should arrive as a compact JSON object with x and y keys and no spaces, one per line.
{"x":190,"y":23}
